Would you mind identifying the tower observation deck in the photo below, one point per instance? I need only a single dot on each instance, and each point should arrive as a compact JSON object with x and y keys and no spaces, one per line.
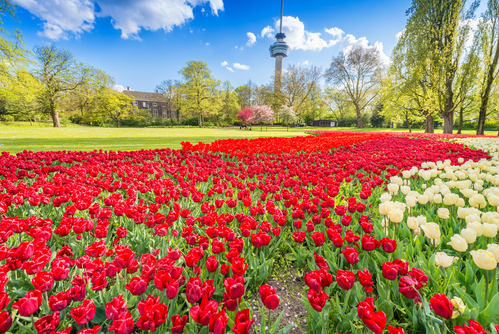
{"x":279,"y":50}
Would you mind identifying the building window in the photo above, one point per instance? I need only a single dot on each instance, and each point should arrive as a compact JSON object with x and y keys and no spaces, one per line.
{"x":163,"y":112}
{"x":155,"y":104}
{"x":163,"y":105}
{"x":155,"y":113}
{"x":144,"y":104}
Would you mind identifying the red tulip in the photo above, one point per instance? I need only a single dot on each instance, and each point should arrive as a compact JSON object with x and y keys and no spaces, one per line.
{"x":59,"y":301}
{"x":47,"y":324}
{"x":152,"y":313}
{"x":365,"y":280}
{"x":388,"y":245}
{"x":203,"y":313}
{"x":375,"y":321}
{"x":351,"y":255}
{"x":211,"y":264}
{"x":5,"y":321}
{"x":393,"y":330}
{"x":29,"y":304}
{"x":83,"y":313}
{"x":137,"y":286}
{"x":345,"y":279}
{"x":4,"y":300}
{"x":317,"y":300}
{"x":116,"y":308}
{"x":318,"y":238}
{"x":242,"y":322}
{"x":268,"y":296}
{"x":218,"y":322}
{"x":234,"y":286}
{"x":390,"y":271}
{"x":473,"y":328}
{"x":43,"y":281}
{"x":178,"y":323}
{"x":320,"y":262}
{"x":123,"y":324}
{"x":441,"y":305}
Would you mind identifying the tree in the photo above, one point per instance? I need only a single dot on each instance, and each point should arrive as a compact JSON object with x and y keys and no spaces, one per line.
{"x":439,"y":66}
{"x":360,"y":72}
{"x":245,"y":115}
{"x":226,"y":103}
{"x":170,"y":89}
{"x":199,"y":89}
{"x":488,"y":35}
{"x":84,"y":97}
{"x":117,"y":106}
{"x":377,"y":118}
{"x":12,"y":51}
{"x":262,"y":115}
{"x":300,"y":85}
{"x":59,"y":74}
{"x":337,"y":104}
{"x":22,"y":99}
{"x":288,"y":115}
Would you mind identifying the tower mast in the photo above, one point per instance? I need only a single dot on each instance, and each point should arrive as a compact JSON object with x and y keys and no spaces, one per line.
{"x":279,"y":50}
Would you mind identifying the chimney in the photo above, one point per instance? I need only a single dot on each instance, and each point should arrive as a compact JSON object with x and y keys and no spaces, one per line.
{"x":127,"y":88}
{"x":156,"y":91}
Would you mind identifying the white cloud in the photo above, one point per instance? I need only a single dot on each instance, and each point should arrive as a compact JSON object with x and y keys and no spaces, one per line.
{"x":241,"y":67}
{"x":224,"y":63}
{"x":230,"y":69}
{"x":61,"y":17}
{"x":336,"y":32}
{"x":400,"y":33}
{"x":130,"y":16}
{"x":349,"y":41}
{"x":299,"y":38}
{"x":239,"y":48}
{"x":305,"y":63}
{"x":251,"y":40}
{"x":207,"y":43}
{"x":118,"y":88}
{"x":267,"y":32}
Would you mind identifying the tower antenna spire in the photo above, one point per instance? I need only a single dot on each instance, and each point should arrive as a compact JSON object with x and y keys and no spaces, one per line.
{"x":279,"y":50}
{"x":282,"y":5}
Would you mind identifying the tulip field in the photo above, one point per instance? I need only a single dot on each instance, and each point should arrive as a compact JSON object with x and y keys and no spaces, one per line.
{"x":376,"y":232}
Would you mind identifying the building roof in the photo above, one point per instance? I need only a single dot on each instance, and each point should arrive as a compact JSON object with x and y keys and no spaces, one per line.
{"x":145,"y":96}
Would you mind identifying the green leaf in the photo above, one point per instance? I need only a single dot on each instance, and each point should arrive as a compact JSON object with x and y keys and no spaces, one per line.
{"x":276,"y":324}
{"x":480,"y":293}
{"x":291,"y":257}
{"x":490,"y":314}
{"x":286,"y":329}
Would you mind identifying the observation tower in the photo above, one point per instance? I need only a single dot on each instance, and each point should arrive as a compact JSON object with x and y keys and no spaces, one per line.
{"x":279,"y":50}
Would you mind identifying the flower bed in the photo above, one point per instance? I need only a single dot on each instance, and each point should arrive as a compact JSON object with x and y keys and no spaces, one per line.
{"x":181,"y":240}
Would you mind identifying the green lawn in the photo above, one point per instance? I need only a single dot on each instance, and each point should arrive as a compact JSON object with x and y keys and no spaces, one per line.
{"x":15,"y":137}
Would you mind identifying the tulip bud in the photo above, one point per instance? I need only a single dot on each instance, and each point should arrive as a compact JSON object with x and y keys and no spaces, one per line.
{"x":411,"y":201}
{"x":423,"y":199}
{"x":396,"y":215}
{"x":494,"y":249}
{"x":458,"y":243}
{"x":386,"y":197}
{"x":412,"y":223}
{"x":489,"y":230}
{"x":458,"y":306}
{"x":450,"y":199}
{"x":484,"y":259}
{"x":469,"y":234}
{"x":443,"y":213}
{"x":477,"y":227}
{"x":405,"y":189}
{"x":437,"y":199}
{"x":393,"y":188}
{"x":444,"y":260}
{"x":431,"y":230}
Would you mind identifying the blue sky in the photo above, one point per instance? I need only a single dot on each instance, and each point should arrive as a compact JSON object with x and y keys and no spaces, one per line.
{"x":142,"y":42}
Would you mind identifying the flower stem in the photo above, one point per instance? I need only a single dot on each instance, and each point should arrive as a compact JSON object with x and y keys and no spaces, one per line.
{"x":486,"y":287}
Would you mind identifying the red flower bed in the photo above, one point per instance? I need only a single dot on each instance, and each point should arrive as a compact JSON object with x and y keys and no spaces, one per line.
{"x":279,"y":145}
{"x":164,"y":240}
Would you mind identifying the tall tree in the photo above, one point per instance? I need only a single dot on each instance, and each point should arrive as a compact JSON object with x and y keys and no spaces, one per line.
{"x":262,"y":114}
{"x":84,"y":97}
{"x":22,"y":100}
{"x":359,"y":71}
{"x":488,"y":34}
{"x":433,"y":48}
{"x":170,"y":89}
{"x":298,"y":86}
{"x":199,"y":89}
{"x":226,"y":103}
{"x":59,"y":74}
{"x":117,"y":106}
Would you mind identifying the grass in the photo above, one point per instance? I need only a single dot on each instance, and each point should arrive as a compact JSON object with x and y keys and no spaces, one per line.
{"x":18,"y":136}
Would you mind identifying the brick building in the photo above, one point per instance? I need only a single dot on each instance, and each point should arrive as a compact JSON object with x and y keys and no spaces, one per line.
{"x":155,"y":102}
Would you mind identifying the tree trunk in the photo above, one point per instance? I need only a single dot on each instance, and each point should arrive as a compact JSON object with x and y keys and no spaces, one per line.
{"x":30,"y":123}
{"x":448,"y":122}
{"x":117,"y":122}
{"x":408,"y":123}
{"x":461,"y":116}
{"x":218,"y":120}
{"x":359,"y":117}
{"x":480,"y":130}
{"x":429,"y":125}
{"x":200,"y":121}
{"x":55,"y":118}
